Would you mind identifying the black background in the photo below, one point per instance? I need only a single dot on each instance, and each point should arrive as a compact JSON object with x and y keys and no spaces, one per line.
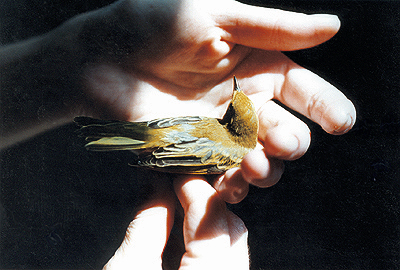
{"x":338,"y":207}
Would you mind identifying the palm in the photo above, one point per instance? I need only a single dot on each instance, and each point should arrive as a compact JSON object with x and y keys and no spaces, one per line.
{"x":134,"y":96}
{"x":190,"y":73}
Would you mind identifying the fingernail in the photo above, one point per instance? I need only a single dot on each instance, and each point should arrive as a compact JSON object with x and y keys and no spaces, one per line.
{"x":345,"y":127}
{"x":328,"y":19}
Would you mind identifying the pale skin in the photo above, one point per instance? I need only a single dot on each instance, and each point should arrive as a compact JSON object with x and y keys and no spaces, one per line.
{"x":185,"y":67}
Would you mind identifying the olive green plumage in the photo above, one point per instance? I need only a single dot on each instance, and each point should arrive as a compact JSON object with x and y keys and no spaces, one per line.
{"x":190,"y":144}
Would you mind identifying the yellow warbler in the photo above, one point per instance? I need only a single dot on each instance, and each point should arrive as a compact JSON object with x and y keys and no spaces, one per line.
{"x":190,"y":144}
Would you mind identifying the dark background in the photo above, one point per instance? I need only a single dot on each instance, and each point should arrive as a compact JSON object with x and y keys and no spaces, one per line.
{"x":338,"y":207}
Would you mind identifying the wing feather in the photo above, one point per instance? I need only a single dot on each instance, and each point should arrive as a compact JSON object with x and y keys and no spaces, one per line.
{"x":196,"y":156}
{"x":173,"y":121}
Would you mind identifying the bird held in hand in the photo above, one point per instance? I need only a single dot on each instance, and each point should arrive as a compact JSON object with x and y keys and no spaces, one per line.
{"x":188,"y":145}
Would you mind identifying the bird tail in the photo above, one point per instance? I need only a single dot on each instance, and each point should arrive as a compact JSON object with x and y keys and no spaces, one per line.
{"x":106,"y":135}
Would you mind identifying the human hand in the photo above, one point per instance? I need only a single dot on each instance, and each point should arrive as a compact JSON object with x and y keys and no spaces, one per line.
{"x":183,"y":65}
{"x":187,"y":66}
{"x":214,"y":237}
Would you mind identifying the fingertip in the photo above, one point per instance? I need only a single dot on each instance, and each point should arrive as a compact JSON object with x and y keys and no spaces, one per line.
{"x":340,"y":118}
{"x":283,"y":135}
{"x":146,"y":235}
{"x":348,"y":124}
{"x":317,"y":29}
{"x":327,"y":21}
{"x":287,"y":143}
{"x":192,"y":189}
{"x":251,"y":26}
{"x":261,"y":171}
{"x":231,"y":187}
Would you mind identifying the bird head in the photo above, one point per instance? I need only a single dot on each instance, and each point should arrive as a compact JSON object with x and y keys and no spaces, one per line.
{"x":241,"y":118}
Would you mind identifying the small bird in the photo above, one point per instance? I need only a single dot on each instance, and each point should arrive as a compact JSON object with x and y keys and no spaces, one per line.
{"x":187,"y":145}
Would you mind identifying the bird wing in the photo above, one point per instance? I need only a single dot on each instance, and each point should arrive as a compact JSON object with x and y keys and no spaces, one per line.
{"x":199,"y":156}
{"x":180,"y":152}
{"x":189,"y":153}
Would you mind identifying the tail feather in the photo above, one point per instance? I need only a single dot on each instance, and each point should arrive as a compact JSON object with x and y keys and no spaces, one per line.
{"x":114,"y":144}
{"x":86,"y":121}
{"x":106,"y":135}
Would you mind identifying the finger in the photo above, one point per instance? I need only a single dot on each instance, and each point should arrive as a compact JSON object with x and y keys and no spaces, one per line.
{"x":317,"y":99}
{"x":231,"y":186}
{"x":260,"y":170}
{"x":273,"y":29}
{"x":239,"y":247}
{"x":283,"y":135}
{"x":146,"y":235}
{"x":209,"y":231}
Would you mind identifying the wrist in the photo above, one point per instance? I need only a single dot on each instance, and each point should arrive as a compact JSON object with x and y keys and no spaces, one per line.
{"x":128,"y":31}
{"x":39,"y":86}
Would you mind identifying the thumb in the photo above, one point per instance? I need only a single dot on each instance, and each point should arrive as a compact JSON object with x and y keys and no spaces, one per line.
{"x":214,"y":237}
{"x":274,"y":29}
{"x":146,"y":235}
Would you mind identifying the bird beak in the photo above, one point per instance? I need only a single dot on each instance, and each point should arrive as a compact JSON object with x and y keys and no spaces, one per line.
{"x":236,"y":84}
